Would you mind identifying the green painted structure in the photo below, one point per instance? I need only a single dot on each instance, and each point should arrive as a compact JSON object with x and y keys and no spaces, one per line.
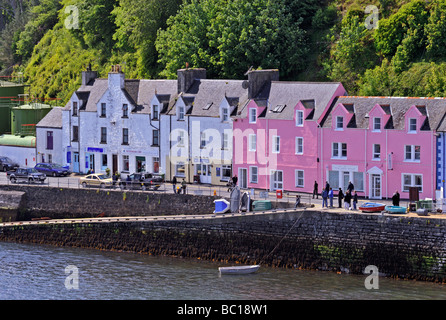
{"x":24,"y":118}
{"x":9,"y":98}
{"x":17,"y":141}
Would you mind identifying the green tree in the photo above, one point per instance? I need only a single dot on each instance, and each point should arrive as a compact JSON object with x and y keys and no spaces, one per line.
{"x":228,"y":36}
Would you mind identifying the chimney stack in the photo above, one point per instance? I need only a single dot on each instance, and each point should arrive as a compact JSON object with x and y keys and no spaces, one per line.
{"x":186,"y":78}
{"x":257,"y":79}
{"x":89,"y":76}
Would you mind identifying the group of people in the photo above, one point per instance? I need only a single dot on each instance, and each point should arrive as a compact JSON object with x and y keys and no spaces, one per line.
{"x":350,"y":197}
{"x":183,"y":185}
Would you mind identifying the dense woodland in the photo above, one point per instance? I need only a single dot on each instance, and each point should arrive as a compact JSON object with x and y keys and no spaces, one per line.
{"x":51,"y":41}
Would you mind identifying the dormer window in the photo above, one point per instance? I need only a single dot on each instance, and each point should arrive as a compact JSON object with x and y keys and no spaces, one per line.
{"x":339,"y":123}
{"x":181,"y":113}
{"x":252,"y":115}
{"x":376,"y":124}
{"x":225,"y":114}
{"x":412,"y":125}
{"x":155,"y":112}
{"x":75,"y":108}
{"x":299,"y":118}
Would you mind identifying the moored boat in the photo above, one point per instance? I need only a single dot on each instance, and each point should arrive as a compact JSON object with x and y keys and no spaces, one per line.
{"x":396,"y":209}
{"x":372,"y":207}
{"x":239,"y":269}
{"x":221,"y":206}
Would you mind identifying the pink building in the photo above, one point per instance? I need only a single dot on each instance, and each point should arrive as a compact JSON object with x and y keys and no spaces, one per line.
{"x":381,"y":144}
{"x":276,"y":135}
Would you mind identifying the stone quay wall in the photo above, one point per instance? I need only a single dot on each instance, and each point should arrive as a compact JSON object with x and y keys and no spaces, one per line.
{"x":399,"y":246}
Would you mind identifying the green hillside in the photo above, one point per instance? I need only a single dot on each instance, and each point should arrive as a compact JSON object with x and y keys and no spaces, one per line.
{"x":52,"y":41}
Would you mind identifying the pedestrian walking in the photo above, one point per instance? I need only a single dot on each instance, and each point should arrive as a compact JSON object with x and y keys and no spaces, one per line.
{"x":355,"y":200}
{"x":183,"y":185}
{"x":234,"y":181}
{"x":340,"y":197}
{"x":297,"y":204}
{"x":174,"y":184}
{"x":350,"y":187}
{"x":324,"y":198}
{"x":330,"y":196}
{"x":327,"y":186}
{"x":396,"y":198}
{"x":315,"y":193}
{"x":347,"y":200}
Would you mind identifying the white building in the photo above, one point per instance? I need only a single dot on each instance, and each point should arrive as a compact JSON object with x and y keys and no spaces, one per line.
{"x":49,"y":138}
{"x":199,"y":146}
{"x":111,"y":125}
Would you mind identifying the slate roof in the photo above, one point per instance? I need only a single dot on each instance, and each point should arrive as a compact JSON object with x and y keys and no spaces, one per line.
{"x":313,"y":95}
{"x":396,"y":107}
{"x":205,"y":96}
{"x":53,"y":119}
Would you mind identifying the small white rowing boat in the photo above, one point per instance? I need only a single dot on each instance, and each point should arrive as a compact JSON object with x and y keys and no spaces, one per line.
{"x":239,"y":269}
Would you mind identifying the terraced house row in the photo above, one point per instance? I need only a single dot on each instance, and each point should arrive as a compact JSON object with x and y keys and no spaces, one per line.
{"x":272,"y":134}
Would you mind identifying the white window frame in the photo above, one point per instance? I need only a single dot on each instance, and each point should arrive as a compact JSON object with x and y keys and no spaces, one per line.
{"x":180,"y":138}
{"x":178,"y":166}
{"x":412,"y":181}
{"x":412,"y":130}
{"x":376,"y":123}
{"x":253,"y":176}
{"x":155,"y":112}
{"x":299,"y":118}
{"x":276,"y":144}
{"x":412,"y":152}
{"x":299,"y":145}
{"x":252,"y":115}
{"x":337,"y":123}
{"x":376,"y":155}
{"x":338,"y":147}
{"x":181,"y":111}
{"x":299,"y":178}
{"x":224,"y":141}
{"x":252,"y":142}
{"x":225,"y":114}
{"x":203,"y":140}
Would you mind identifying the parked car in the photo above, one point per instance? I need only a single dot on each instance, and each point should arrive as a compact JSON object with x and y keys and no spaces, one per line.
{"x":53,"y":169}
{"x":6,"y":164}
{"x":143,"y":181}
{"x":96,"y":180}
{"x":29,"y":175}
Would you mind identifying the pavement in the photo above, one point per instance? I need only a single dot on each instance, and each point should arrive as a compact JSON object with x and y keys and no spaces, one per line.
{"x":222,"y":191}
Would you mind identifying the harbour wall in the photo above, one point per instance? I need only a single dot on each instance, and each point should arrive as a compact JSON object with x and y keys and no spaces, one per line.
{"x":399,"y":246}
{"x":58,"y":203}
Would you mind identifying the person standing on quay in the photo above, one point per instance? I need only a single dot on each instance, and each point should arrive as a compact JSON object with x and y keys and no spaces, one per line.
{"x":315,"y":193}
{"x":183,"y":185}
{"x":347,"y":200}
{"x":330,"y":195}
{"x":396,"y":199}
{"x":340,"y":197}
{"x":324,"y":198}
{"x":355,"y":200}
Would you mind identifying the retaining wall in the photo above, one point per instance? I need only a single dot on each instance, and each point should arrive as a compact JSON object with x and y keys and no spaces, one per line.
{"x":400,"y":246}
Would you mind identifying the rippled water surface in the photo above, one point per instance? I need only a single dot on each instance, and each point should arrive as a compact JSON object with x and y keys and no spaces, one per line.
{"x":38,"y":272}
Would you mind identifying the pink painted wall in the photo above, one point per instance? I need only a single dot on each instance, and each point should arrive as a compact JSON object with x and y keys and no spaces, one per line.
{"x":360,"y":153}
{"x":286,"y":161}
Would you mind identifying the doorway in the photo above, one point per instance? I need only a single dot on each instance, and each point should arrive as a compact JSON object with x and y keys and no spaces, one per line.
{"x":114,"y":163}
{"x":243,"y":178}
{"x":76,"y":162}
{"x":375,"y":187}
{"x":204,"y":172}
{"x":276,"y":180}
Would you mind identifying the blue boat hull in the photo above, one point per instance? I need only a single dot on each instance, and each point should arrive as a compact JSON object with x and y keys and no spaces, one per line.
{"x":395,"y":209}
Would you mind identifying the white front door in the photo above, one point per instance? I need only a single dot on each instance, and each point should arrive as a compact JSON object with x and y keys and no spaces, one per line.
{"x":204,"y":172}
{"x":375,"y":189}
{"x":276,"y":180}
{"x":243,"y":178}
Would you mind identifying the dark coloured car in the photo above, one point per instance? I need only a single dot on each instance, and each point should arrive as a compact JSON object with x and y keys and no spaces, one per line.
{"x":52,"y":169}
{"x":6,"y":164}
{"x":143,"y":181}
{"x":29,"y":175}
